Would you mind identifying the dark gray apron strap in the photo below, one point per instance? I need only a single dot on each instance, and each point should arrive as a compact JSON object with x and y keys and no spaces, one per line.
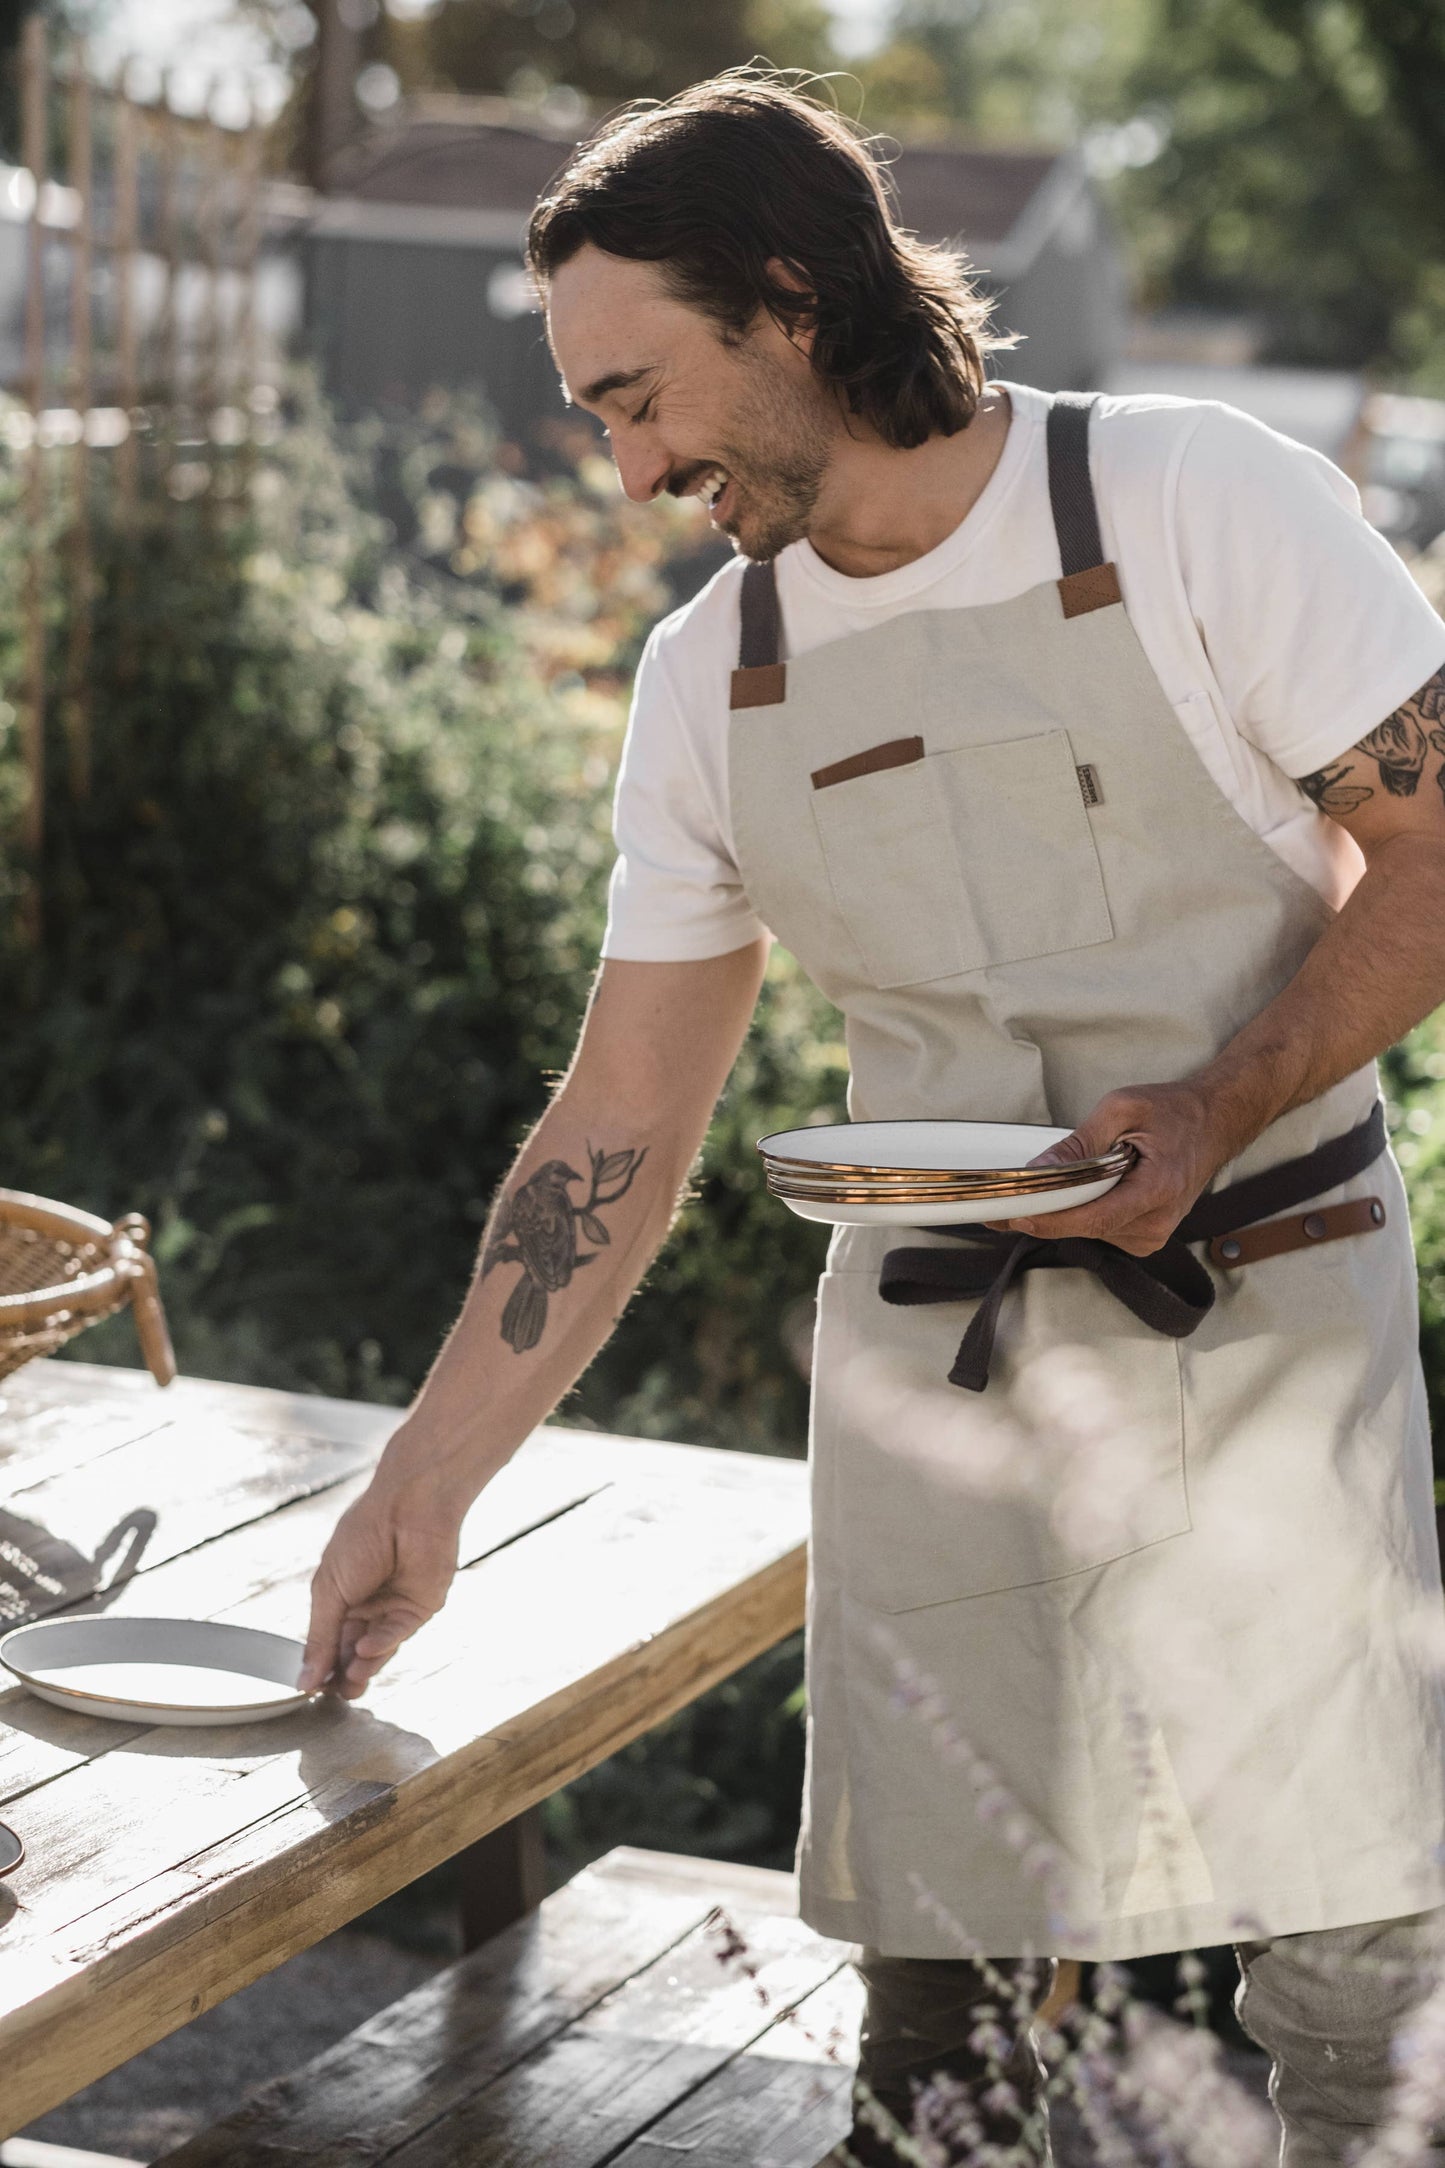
{"x":761,"y":677}
{"x":1071,"y":488}
{"x":1171,"y":1292}
{"x":1088,"y":583}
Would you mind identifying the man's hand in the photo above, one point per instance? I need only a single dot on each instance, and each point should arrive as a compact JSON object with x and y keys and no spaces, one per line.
{"x":384,"y":1573}
{"x":1180,"y":1152}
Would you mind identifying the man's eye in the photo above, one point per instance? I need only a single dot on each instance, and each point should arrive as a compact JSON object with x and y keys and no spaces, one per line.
{"x":644,"y":412}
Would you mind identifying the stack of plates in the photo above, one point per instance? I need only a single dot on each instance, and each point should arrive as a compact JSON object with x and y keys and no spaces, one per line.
{"x":931,"y":1174}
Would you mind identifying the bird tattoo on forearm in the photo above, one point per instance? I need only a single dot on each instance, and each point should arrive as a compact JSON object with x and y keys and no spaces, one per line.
{"x":539,"y":1227}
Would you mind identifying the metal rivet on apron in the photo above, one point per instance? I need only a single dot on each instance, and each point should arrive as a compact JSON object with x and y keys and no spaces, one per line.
{"x":1314,"y":1226}
{"x":1229,"y":1250}
{"x":1377,"y":1212}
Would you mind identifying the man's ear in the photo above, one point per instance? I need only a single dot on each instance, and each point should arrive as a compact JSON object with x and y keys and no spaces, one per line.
{"x":799,"y":331}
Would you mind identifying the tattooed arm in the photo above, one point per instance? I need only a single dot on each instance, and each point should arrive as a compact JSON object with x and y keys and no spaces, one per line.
{"x":1375,"y":972}
{"x":578,"y":1222}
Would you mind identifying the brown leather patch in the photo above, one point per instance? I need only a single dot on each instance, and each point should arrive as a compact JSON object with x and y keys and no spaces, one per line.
{"x":1095,"y":589}
{"x":897,"y":753}
{"x":1301,"y":1231}
{"x":761,"y":687}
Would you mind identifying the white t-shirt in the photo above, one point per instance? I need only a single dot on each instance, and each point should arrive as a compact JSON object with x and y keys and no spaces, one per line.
{"x":1281,"y":626}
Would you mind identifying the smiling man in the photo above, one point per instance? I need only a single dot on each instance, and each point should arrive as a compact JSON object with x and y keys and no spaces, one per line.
{"x":1090,"y":756}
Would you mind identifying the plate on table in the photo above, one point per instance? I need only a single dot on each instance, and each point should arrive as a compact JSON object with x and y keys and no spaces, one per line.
{"x":12,"y":1851}
{"x":931,"y":1173}
{"x":158,"y":1670}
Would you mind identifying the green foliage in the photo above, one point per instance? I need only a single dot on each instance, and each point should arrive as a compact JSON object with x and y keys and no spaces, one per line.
{"x":325,"y":923}
{"x":609,"y":50}
{"x":1299,"y":143}
{"x":298,"y":974}
{"x":722,"y":1779}
{"x":1415,"y":1084}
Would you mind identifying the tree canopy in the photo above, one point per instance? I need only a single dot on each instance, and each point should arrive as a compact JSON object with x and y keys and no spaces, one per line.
{"x":1283,"y":158}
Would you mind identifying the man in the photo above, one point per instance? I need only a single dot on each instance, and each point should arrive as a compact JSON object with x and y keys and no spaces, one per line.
{"x":1093,"y":763}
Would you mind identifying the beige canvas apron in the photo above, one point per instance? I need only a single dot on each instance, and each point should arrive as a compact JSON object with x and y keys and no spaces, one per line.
{"x":1138,"y":1649}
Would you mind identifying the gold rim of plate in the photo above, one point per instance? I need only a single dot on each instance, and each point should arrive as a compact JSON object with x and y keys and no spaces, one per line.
{"x":1117,"y":1161}
{"x":1052,"y":1180}
{"x":844,"y":1193}
{"x":1039,"y":1178}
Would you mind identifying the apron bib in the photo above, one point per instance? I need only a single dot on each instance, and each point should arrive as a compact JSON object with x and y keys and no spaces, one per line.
{"x":1134,"y":1651}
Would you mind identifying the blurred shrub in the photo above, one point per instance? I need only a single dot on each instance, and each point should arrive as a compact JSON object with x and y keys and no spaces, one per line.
{"x":325,"y":923}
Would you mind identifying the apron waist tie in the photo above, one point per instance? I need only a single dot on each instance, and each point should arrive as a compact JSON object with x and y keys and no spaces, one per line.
{"x":1171,"y":1292}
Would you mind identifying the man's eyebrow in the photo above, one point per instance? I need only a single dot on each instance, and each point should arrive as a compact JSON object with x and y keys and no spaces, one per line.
{"x":615,"y":380}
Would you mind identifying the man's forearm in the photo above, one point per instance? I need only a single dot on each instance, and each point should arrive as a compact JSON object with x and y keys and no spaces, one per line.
{"x":1374,"y":974}
{"x":576,"y":1225}
{"x":579,"y":1219}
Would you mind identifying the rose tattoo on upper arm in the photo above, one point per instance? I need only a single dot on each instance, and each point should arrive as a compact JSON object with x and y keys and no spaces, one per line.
{"x":538,"y":1228}
{"x":1399,"y":748}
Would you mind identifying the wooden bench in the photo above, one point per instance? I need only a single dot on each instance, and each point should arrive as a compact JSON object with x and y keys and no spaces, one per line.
{"x":656,"y":2011}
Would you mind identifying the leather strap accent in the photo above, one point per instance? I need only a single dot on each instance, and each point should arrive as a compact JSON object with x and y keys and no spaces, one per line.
{"x":1276,"y":1238}
{"x":761,"y":687}
{"x":1071,"y":487}
{"x":897,"y":753}
{"x":1170,"y":1292}
{"x":1095,"y":589}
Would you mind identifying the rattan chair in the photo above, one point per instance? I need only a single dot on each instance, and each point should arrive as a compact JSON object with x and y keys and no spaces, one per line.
{"x":61,"y":1270}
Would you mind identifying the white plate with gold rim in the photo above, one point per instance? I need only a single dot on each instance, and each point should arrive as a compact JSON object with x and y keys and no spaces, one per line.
{"x":158,"y":1670}
{"x":841,"y":1155}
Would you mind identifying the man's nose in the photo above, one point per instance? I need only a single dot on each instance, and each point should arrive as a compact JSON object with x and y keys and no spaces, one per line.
{"x":642,"y":468}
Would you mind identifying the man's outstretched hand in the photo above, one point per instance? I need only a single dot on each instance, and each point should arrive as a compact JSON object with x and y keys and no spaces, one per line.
{"x":384,"y":1573}
{"x":1180,"y":1148}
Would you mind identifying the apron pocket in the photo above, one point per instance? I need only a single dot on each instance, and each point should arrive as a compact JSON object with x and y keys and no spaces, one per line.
{"x":964,"y":859}
{"x":1073,"y":1457}
{"x":1026,"y":845}
{"x":895,"y":875}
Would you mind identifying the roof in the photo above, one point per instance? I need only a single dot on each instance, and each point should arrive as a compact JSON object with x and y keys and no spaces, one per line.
{"x":464,"y":157}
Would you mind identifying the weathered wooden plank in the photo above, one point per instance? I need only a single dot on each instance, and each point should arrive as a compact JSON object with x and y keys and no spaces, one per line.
{"x":355,"y":2105}
{"x":42,"y":1436}
{"x":60,"y":1414}
{"x":616,"y":2070}
{"x":207,"y":1863}
{"x":152,"y":1499}
{"x":258,"y":1575}
{"x":783,"y":2103}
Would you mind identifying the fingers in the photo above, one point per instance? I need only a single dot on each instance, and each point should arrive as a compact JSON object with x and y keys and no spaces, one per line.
{"x":323,"y":1635}
{"x":1139,"y":1226}
{"x":1100,"y":1130}
{"x":1139,"y":1215}
{"x":366,"y":1644}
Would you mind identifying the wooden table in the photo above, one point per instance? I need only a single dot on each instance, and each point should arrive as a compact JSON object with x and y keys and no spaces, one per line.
{"x":605,"y":1582}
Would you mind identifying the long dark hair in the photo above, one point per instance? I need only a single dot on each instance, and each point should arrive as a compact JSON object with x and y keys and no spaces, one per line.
{"x":743,"y":170}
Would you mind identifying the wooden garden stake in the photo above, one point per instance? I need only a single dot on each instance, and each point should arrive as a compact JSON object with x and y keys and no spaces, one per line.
{"x":124,"y":239}
{"x":34,"y":85}
{"x":168,"y":329}
{"x":82,"y":578}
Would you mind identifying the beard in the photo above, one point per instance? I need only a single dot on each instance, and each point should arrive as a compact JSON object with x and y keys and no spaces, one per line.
{"x":778,"y":459}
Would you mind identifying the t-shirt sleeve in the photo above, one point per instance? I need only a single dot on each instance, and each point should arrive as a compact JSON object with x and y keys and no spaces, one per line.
{"x":1314,"y":627}
{"x":676,"y":894}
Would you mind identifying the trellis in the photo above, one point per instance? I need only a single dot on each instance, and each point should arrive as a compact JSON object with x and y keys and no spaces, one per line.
{"x":149,"y":368}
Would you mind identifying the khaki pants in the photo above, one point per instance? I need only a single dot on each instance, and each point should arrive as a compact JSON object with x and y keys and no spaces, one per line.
{"x":943,"y":2040}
